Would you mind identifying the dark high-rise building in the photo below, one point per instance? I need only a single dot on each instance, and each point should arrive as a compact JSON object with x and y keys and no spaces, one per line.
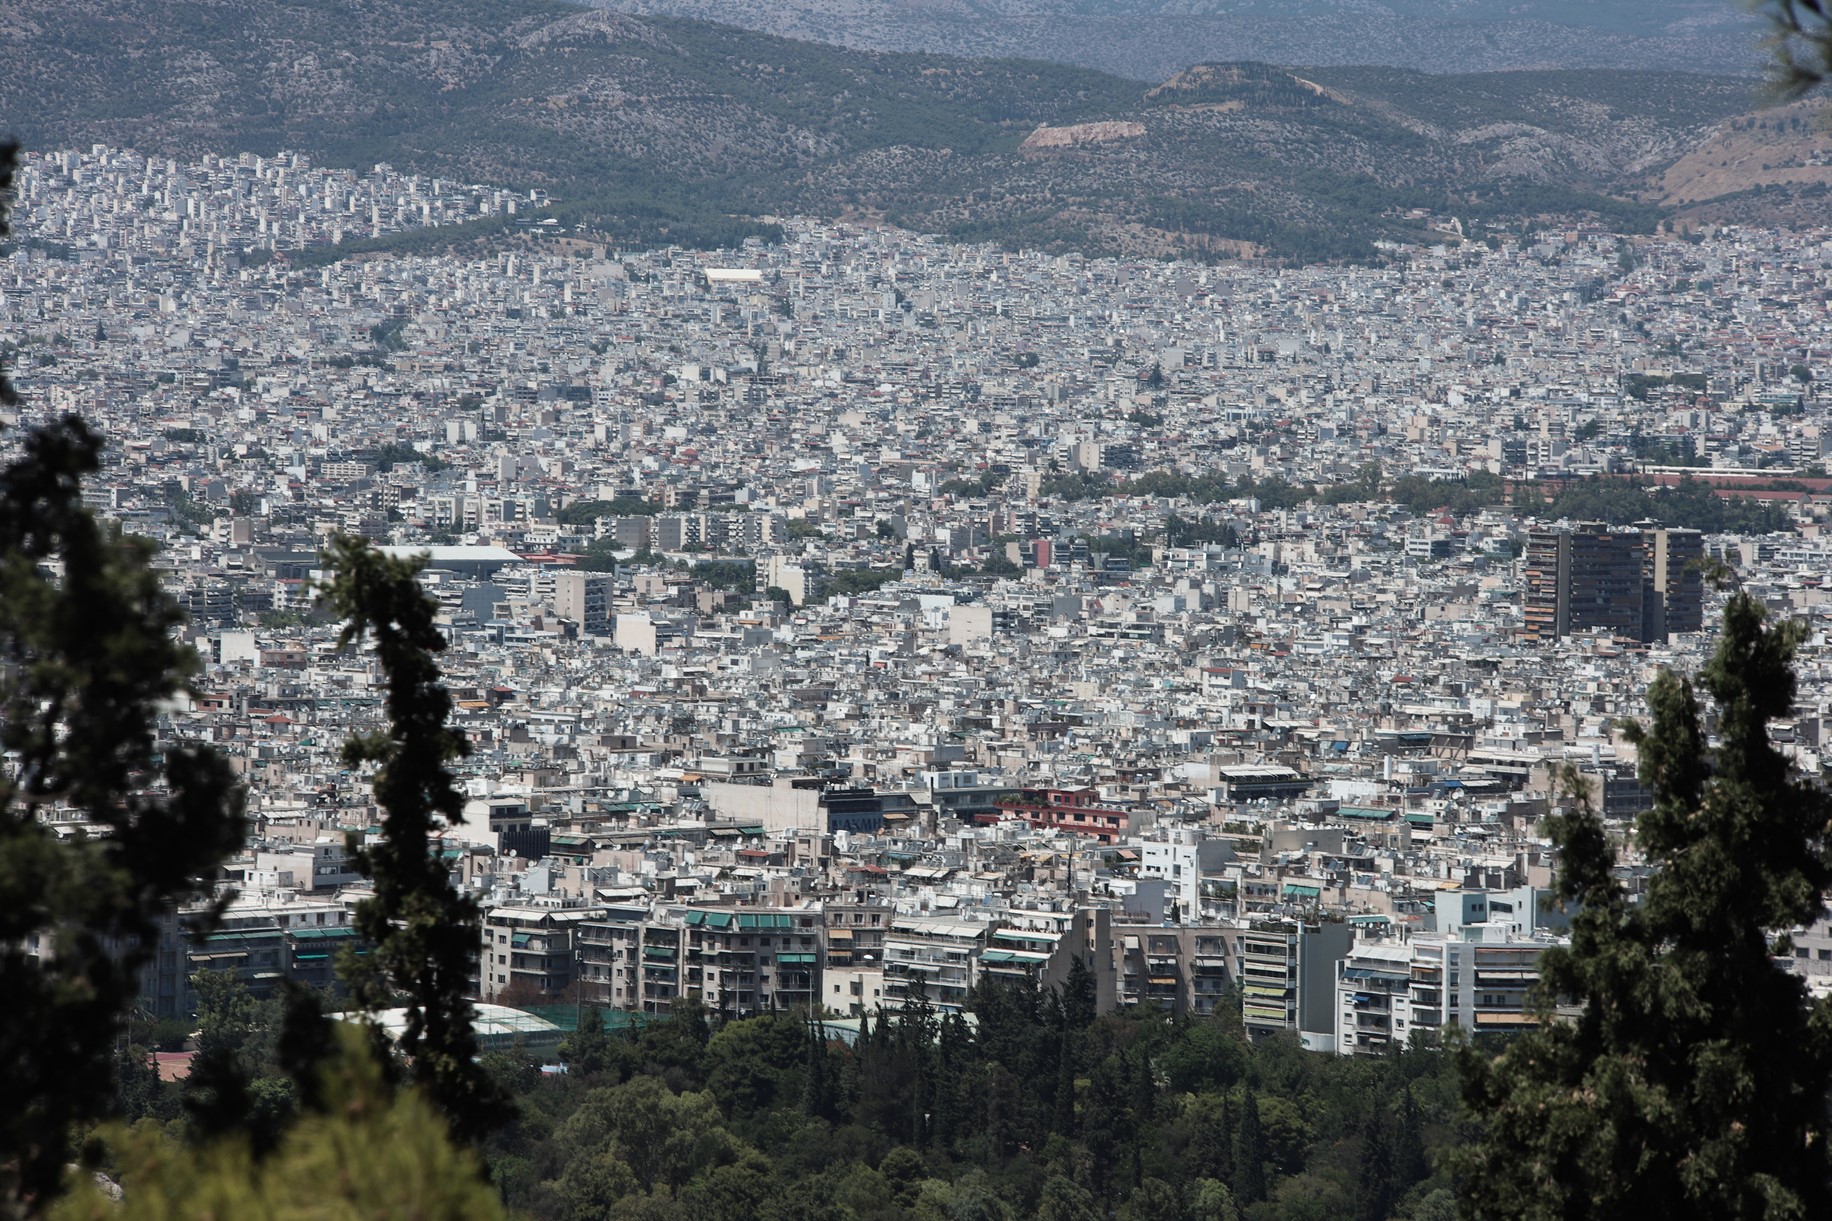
{"x":1584,"y":579}
{"x":1637,"y":584}
{"x":1673,"y":592}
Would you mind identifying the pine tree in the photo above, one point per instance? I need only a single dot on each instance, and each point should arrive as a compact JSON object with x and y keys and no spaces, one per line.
{"x":1249,"y":1153}
{"x":1694,"y":1080}
{"x":1211,"y":1148}
{"x":1078,"y":995}
{"x":1410,"y":1165}
{"x":587,"y":1051}
{"x":1063,"y":1121}
{"x":424,"y":933}
{"x":1374,"y":1200}
{"x":87,"y":654}
{"x":820,"y":1088}
{"x":954,"y":1050}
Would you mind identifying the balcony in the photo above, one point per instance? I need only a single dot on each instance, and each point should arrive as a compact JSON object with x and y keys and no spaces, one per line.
{"x":1270,"y":970}
{"x":1258,"y":1015}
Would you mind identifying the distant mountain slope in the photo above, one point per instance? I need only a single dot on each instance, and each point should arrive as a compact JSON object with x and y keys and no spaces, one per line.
{"x":662,"y":129}
{"x":654,"y":120}
{"x":1152,"y":39}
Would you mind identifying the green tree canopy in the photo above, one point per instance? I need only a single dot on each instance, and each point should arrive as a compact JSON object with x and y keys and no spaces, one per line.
{"x":1693,"y":1080}
{"x":88,"y":651}
{"x":373,"y":1153}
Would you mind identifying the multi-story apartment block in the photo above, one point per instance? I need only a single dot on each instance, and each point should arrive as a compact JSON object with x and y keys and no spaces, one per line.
{"x":1389,"y":991}
{"x":584,"y":598}
{"x":1180,"y":969}
{"x":631,"y":961}
{"x":943,"y":953}
{"x":1583,"y":579}
{"x":1673,"y":597}
{"x":635,"y":532}
{"x":1374,"y":988}
{"x":1184,"y":857}
{"x":264,"y":944}
{"x":745,"y":960}
{"x":678,"y":531}
{"x":1475,"y":970}
{"x":1038,"y":949}
{"x":528,"y":952}
{"x":1285,"y":973}
{"x":855,"y":932}
{"x":1077,"y":811}
{"x":1637,"y":584}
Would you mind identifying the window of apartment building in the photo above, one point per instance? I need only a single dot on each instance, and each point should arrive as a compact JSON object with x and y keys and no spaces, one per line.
{"x":1825,"y":956}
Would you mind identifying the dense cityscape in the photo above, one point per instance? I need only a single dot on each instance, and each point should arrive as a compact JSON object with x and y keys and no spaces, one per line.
{"x":954,"y":612}
{"x":511,"y":716}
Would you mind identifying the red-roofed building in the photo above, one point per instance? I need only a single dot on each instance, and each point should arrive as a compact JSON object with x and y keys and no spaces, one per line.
{"x":1077,"y":811}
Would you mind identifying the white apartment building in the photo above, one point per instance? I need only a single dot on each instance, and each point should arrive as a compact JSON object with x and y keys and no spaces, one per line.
{"x":1387,"y":991}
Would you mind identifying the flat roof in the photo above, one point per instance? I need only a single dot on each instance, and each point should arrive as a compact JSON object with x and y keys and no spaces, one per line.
{"x":454,"y":554}
{"x":492,"y":1022}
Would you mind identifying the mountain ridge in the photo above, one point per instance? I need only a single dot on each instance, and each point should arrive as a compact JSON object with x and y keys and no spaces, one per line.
{"x":1152,"y":39}
{"x":671,"y":130}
